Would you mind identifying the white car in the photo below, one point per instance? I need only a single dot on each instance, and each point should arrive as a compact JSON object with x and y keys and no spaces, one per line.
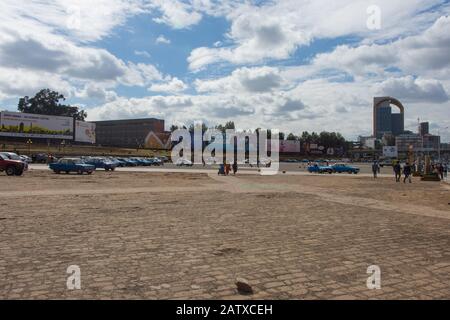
{"x":183,"y":162}
{"x":25,"y":158}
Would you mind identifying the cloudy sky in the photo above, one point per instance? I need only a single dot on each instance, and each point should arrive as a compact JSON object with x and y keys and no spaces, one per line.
{"x":294,"y":65}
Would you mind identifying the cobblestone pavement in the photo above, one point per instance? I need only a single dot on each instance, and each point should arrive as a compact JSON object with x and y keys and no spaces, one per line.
{"x":186,"y":243}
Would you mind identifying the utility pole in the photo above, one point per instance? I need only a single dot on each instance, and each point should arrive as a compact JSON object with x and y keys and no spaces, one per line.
{"x":29,"y":143}
{"x":439,"y":146}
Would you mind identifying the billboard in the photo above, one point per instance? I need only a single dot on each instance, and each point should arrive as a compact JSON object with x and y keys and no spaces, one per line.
{"x":390,"y":152}
{"x":84,"y":131}
{"x":16,"y":124}
{"x":289,"y":146}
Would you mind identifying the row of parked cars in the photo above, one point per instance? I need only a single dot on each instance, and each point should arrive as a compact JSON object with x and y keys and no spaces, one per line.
{"x":90,"y":164}
{"x":335,"y":168}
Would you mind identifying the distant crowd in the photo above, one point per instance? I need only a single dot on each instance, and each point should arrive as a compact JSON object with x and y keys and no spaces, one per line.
{"x":440,"y":169}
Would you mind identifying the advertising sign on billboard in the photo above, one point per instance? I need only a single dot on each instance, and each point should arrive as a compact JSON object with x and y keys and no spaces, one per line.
{"x":289,"y":146}
{"x":85,"y":132}
{"x":16,"y":124}
{"x":390,"y":152}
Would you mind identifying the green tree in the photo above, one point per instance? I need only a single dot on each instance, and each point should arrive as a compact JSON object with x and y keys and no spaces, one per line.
{"x":48,"y":102}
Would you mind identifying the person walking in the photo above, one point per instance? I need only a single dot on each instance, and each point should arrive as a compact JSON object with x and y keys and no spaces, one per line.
{"x":445,"y":171}
{"x":441,"y":171}
{"x":227,"y":169}
{"x":397,"y":171}
{"x":235,"y":168}
{"x":375,"y":169}
{"x":407,"y":171}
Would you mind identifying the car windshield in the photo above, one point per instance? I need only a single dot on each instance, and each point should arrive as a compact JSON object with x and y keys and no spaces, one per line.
{"x":11,"y":156}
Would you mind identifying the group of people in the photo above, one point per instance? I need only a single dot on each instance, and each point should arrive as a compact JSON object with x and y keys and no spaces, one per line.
{"x":407,"y":172}
{"x":440,"y":169}
{"x":225,"y":169}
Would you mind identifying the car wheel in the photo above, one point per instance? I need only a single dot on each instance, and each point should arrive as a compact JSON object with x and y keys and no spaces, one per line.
{"x":67,"y":172}
{"x":10,"y":171}
{"x":89,"y":172}
{"x":18,"y":173}
{"x":56,"y":171}
{"x":80,"y":172}
{"x":330,"y":172}
{"x":112,"y":169}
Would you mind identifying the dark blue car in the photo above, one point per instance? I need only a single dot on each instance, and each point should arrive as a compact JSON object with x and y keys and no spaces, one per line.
{"x":128,"y":162}
{"x":101,"y":163}
{"x":345,"y":168}
{"x":69,"y":165}
{"x":320,"y":169}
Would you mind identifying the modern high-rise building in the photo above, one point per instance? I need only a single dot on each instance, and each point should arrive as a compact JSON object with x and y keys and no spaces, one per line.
{"x":424,"y":128}
{"x":386,"y":122}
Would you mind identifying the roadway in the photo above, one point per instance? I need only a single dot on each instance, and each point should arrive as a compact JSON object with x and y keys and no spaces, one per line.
{"x":285,"y":168}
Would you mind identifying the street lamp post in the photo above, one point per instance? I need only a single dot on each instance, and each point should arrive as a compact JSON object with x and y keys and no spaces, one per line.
{"x":29,"y":143}
{"x":63,"y":144}
{"x":439,"y":145}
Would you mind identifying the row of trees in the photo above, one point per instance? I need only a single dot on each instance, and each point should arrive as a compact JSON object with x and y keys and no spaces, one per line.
{"x":229,"y":125}
{"x":325,"y":139}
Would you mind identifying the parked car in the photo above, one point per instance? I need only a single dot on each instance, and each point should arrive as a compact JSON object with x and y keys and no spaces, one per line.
{"x":39,"y":158}
{"x":15,"y":156}
{"x":184,"y":162}
{"x":25,"y":158}
{"x":128,"y":162}
{"x":320,"y":169}
{"x":387,"y":163}
{"x":119,"y":163}
{"x":68,"y":165}
{"x":156,"y":162}
{"x":146,"y":162}
{"x":102,"y":163}
{"x":345,"y":168}
{"x":11,"y":165}
{"x":138,"y":161}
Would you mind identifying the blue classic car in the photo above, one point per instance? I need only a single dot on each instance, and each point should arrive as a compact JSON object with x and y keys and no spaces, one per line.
{"x":102,"y":163}
{"x":345,"y":168}
{"x":68,"y":165}
{"x":119,"y":163}
{"x":128,"y":162}
{"x":320,"y":169}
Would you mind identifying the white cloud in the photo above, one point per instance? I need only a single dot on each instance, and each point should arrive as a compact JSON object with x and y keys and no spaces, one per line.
{"x":94,"y":91}
{"x":276,"y":29}
{"x":173,"y":86}
{"x":162,"y":39}
{"x":140,"y":75}
{"x":39,"y":38}
{"x":22,"y":82}
{"x":80,"y":20}
{"x":409,"y":89}
{"x":142,"y":53}
{"x":423,"y":54}
{"x":263,"y":79}
{"x":176,"y":14}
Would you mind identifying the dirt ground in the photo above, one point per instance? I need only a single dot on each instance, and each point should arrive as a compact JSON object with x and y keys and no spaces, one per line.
{"x":189,"y":236}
